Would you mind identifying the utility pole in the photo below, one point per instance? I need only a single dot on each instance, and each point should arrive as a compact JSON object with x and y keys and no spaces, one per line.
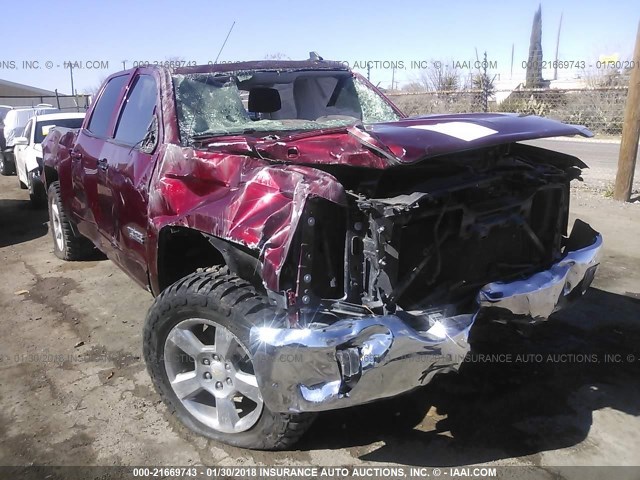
{"x":630,"y":132}
{"x":513,"y":46}
{"x":71,"y":71}
{"x":555,"y":64}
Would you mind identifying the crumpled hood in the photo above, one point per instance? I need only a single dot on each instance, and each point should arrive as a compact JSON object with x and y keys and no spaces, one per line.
{"x":252,"y":190}
{"x":405,"y":141}
{"x":417,"y":138}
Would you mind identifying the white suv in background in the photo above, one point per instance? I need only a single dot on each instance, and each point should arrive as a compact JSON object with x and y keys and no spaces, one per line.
{"x":14,"y":122}
{"x":28,"y":150}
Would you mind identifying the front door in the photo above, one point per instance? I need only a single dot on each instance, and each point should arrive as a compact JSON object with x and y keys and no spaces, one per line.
{"x":129,"y":161}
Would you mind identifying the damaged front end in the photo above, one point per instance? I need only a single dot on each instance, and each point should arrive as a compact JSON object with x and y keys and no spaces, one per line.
{"x":382,"y":293}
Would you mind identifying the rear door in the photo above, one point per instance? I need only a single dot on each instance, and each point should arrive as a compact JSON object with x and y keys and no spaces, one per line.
{"x":91,"y":205}
{"x":129,"y":165}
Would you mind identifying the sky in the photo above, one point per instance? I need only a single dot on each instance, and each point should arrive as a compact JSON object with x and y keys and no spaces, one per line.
{"x":97,"y":37}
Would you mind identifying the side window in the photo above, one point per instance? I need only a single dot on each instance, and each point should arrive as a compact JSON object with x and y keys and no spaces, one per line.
{"x":137,"y":113}
{"x":99,"y":123}
{"x":27,"y":130}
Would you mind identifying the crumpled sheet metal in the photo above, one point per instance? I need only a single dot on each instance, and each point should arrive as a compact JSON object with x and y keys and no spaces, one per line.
{"x":248,"y":201}
{"x":539,"y":295}
{"x":297,"y":370}
{"x":329,"y":148}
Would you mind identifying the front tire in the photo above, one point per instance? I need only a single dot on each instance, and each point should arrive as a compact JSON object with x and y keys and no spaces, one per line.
{"x":6,"y":167}
{"x":37,"y":194}
{"x":66,"y":244}
{"x":196,"y":339}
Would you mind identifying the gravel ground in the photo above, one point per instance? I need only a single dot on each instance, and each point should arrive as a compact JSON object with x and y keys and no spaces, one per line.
{"x":74,"y":390}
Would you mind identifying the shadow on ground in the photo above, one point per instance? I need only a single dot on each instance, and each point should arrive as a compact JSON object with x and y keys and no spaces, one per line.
{"x":493,"y":410}
{"x":21,"y":222}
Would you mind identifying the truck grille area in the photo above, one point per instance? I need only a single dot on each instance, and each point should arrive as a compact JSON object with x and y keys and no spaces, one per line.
{"x":433,"y":250}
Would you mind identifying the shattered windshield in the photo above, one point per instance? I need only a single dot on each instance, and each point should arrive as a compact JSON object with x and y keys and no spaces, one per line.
{"x":272,"y":102}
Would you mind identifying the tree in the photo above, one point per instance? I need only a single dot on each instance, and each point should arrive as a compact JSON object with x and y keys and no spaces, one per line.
{"x":534,"y":63}
{"x":445,"y":79}
{"x":93,"y":90}
{"x":441,"y":77}
{"x":483,"y":84}
{"x":606,"y":77}
{"x":414,"y":86}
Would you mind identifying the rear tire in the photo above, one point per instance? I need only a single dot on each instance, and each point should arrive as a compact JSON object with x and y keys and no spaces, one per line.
{"x":207,"y":381}
{"x":66,"y":244}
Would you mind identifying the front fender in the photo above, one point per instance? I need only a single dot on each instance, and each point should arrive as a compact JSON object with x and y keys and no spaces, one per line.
{"x":245,"y":200}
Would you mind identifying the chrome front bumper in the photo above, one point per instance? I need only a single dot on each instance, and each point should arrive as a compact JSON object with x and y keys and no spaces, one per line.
{"x":355,"y":361}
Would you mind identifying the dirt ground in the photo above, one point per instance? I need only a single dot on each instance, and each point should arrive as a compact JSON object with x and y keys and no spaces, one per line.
{"x":74,"y":390}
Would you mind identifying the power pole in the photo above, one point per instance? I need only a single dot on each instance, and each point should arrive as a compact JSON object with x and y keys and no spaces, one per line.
{"x":630,"y":132}
{"x":71,"y":72}
{"x":555,"y":64}
{"x":513,"y":45}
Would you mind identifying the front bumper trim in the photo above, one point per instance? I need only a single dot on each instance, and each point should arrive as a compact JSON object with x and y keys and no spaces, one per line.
{"x":546,"y":292}
{"x":359,"y":360}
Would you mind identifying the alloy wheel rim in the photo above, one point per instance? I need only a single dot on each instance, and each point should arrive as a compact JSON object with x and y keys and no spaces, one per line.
{"x":57,"y":226}
{"x":211,"y":374}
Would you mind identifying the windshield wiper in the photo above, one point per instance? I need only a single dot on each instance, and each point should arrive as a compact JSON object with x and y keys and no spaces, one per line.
{"x":204,"y":136}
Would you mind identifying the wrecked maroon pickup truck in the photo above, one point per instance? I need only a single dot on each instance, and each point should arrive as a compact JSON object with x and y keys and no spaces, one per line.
{"x":309,"y":247}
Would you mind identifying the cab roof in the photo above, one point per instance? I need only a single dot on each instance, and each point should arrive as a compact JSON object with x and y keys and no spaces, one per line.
{"x":262,"y":65}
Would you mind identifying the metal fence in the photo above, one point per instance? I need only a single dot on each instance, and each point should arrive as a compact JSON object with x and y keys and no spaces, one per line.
{"x":66,"y":103}
{"x":599,"y":109}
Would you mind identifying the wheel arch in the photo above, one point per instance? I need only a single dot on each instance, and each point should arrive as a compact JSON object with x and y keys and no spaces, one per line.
{"x":50,"y":175}
{"x":183,"y":250}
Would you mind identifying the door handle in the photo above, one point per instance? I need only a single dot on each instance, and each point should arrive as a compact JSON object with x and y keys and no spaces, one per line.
{"x":102,"y":164}
{"x":75,"y":155}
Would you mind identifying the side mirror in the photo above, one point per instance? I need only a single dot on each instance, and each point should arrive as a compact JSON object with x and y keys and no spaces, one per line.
{"x":150,"y":140}
{"x":21,"y":141}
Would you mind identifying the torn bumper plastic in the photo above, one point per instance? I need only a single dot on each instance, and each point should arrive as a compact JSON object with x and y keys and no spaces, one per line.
{"x":360,"y":360}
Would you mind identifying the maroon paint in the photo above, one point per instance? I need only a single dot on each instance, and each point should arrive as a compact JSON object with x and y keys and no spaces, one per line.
{"x":224,"y":190}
